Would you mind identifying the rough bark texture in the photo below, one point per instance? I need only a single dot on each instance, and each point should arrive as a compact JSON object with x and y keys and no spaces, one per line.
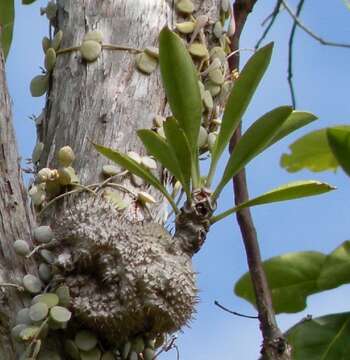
{"x":16,"y":221}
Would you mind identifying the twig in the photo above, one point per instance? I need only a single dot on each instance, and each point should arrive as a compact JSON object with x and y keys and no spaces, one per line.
{"x":272,"y":335}
{"x":272,"y":17}
{"x":290,"y":54}
{"x":234,"y":312}
{"x":18,"y":287}
{"x":310,"y":32}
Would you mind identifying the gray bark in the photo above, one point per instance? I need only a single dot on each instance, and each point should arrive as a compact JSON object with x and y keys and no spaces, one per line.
{"x":16,"y":221}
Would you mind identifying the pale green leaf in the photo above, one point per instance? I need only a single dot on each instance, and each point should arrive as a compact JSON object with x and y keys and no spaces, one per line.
{"x":311,"y":152}
{"x":293,"y":277}
{"x":180,"y":81}
{"x":7,"y":17}
{"x":238,"y":101}
{"x":179,"y":144}
{"x":295,"y":121}
{"x":290,"y":191}
{"x":252,"y":142}
{"x":126,"y":162}
{"x":339,"y":142}
{"x":325,"y":338}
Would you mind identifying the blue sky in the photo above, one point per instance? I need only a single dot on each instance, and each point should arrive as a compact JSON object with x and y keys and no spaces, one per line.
{"x":322,"y":84}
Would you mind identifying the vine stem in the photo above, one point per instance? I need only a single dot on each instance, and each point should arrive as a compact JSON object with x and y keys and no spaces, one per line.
{"x":274,"y":345}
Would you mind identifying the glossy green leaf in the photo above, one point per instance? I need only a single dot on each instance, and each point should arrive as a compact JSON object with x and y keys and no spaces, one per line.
{"x":238,"y":101}
{"x":293,"y":277}
{"x":179,"y":144}
{"x":180,"y":81}
{"x":339,"y":142}
{"x":295,"y":121}
{"x":325,"y":338}
{"x":161,"y":150}
{"x":311,"y":152}
{"x":290,"y":191}
{"x":252,"y":142}
{"x":7,"y":17}
{"x":336,"y":269}
{"x":135,"y":168}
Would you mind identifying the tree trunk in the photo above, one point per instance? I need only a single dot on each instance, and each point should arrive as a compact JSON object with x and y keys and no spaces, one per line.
{"x":16,"y":221}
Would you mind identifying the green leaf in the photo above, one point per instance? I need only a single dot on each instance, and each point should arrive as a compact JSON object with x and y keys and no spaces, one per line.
{"x":336,"y":269}
{"x":290,"y":191}
{"x":135,"y":168}
{"x":161,"y":150}
{"x":325,"y":338}
{"x":180,"y":81}
{"x":179,"y":144}
{"x":27,"y":2}
{"x":252,"y":142}
{"x":339,"y":142}
{"x":238,"y":101}
{"x":293,"y":277}
{"x":295,"y":121}
{"x":7,"y":17}
{"x":311,"y":152}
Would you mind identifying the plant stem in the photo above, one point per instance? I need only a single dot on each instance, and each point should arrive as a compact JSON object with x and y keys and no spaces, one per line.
{"x":274,"y":345}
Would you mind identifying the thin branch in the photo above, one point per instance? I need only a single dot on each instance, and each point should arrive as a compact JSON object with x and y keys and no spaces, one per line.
{"x":310,"y":32}
{"x":234,"y":312}
{"x":290,"y":53}
{"x":272,"y":17}
{"x":272,"y":335}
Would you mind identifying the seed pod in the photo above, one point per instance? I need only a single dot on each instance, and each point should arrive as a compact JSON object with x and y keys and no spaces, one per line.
{"x":50,"y":299}
{"x":60,"y":314}
{"x":32,"y":284}
{"x":45,"y":273}
{"x":134,"y":156}
{"x":43,"y":175}
{"x":38,"y":312}
{"x":202,"y":137}
{"x":146,"y":63}
{"x":148,"y":162}
{"x":217,"y":30}
{"x":94,"y":35}
{"x":23,"y":317}
{"x":199,"y":50}
{"x":110,"y":170}
{"x":57,"y":39}
{"x":21,"y":247}
{"x":148,"y":354}
{"x":90,"y":50}
{"x":38,"y":149}
{"x":94,"y":354}
{"x":145,"y":198}
{"x":185,"y":6}
{"x":50,"y":59}
{"x":39,"y":85}
{"x":65,"y":156}
{"x":67,"y":175}
{"x":37,"y":195}
{"x":208,"y":100}
{"x":216,"y":76}
{"x":51,"y":10}
{"x":46,"y":43}
{"x":43,"y":234}
{"x":186,"y":27}
{"x":53,"y":188}
{"x":85,"y":340}
{"x":152,"y":51}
